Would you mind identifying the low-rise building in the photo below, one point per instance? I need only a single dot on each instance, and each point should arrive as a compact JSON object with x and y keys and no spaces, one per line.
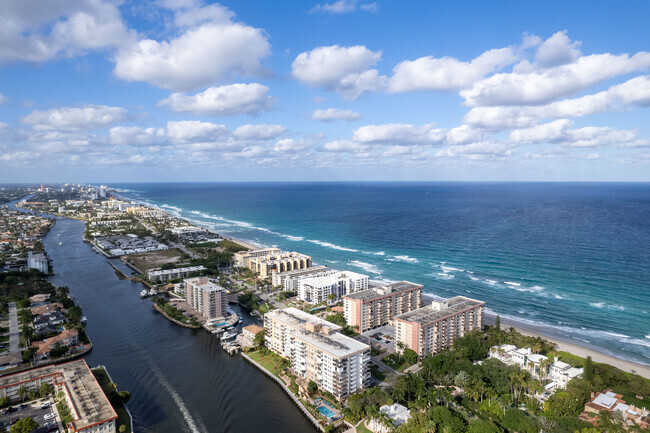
{"x":248,"y":333}
{"x":318,"y":352}
{"x":162,"y":276}
{"x":146,"y":212}
{"x":376,"y":306}
{"x":434,"y":327}
{"x":559,"y":373}
{"x":398,"y":415}
{"x":207,"y":298}
{"x":328,"y":286}
{"x":67,"y":337}
{"x":608,"y":401}
{"x":90,"y":409}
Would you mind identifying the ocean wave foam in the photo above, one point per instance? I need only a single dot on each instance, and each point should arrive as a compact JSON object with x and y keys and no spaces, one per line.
{"x":491,"y":282}
{"x":331,"y":245}
{"x":404,"y":258}
{"x":510,"y":283}
{"x":444,"y":276}
{"x":450,"y":269}
{"x":368,"y":267}
{"x":604,"y":305}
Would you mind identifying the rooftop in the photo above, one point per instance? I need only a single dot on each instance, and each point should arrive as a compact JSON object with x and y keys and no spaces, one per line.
{"x":318,"y":332}
{"x":439,"y":310}
{"x":172,"y":271}
{"x":90,"y":403}
{"x":380,"y":292}
{"x":330,"y":277}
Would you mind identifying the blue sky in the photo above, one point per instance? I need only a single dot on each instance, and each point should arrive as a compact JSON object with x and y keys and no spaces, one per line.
{"x":183,"y":90}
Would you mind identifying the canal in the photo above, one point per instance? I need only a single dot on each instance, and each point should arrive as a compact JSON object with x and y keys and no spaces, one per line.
{"x":180,"y":380}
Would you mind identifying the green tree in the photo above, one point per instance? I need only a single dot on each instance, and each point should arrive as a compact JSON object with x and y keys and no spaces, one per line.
{"x":410,"y":356}
{"x":260,"y":339}
{"x":22,"y":392}
{"x":589,"y":369}
{"x":497,"y":323}
{"x":125,"y":396}
{"x":4,"y":402}
{"x":122,"y":428}
{"x":45,"y":389}
{"x":25,"y":425}
{"x":483,"y":426}
{"x":312,"y":387}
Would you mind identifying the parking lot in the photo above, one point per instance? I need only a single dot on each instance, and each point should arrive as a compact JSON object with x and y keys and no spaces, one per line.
{"x":382,"y":337}
{"x":31,"y":410}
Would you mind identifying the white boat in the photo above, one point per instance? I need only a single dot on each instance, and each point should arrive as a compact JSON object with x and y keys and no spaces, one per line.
{"x":84,"y":320}
{"x":228,"y":335}
{"x":153,"y":292}
{"x":60,"y":243}
{"x":144,"y":294}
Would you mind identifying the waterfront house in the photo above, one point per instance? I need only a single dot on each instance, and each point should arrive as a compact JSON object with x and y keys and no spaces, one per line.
{"x":397,"y":414}
{"x":68,"y":337}
{"x":608,"y":401}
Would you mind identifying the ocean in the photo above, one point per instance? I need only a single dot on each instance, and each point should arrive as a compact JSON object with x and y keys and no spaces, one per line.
{"x":571,"y":259}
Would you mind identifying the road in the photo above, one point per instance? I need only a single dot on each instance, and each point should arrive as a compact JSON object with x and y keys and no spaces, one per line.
{"x":14,"y":338}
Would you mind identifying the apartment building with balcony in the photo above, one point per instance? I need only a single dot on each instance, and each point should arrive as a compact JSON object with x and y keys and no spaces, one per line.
{"x":242,"y":259}
{"x":282,"y":262}
{"x":330,"y":285}
{"x":376,"y":306}
{"x":289,"y":279}
{"x":434,"y":327}
{"x":207,"y":298}
{"x":318,"y":352}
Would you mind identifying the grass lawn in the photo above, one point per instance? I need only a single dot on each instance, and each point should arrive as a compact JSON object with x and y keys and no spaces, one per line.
{"x":272,"y":362}
{"x":155,"y":259}
{"x":391,"y":361}
{"x":361,"y":428}
{"x":123,"y":417}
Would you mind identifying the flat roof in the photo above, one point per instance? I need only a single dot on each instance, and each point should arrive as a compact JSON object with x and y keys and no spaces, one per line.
{"x":380,"y":292}
{"x":171,"y":271}
{"x":330,"y":277}
{"x":429,"y":314}
{"x":335,"y":343}
{"x":90,"y":404}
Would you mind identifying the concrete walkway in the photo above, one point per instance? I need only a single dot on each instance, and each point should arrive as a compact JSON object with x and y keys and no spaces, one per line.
{"x":14,"y":339}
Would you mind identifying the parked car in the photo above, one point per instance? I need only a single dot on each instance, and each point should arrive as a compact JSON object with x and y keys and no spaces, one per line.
{"x":23,"y":406}
{"x":46,"y":405}
{"x":49,"y":416}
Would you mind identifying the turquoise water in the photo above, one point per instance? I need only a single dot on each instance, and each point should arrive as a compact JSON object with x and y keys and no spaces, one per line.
{"x":326,"y":411}
{"x":570,"y":259}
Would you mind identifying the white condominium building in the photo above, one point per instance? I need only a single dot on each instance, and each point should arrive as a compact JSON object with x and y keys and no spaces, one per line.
{"x":289,"y":279}
{"x":171,"y":274}
{"x":207,"y":298}
{"x":318,"y":352}
{"x":319,"y":288}
{"x":434,"y":327}
{"x":374,"y":307}
{"x":242,"y":258}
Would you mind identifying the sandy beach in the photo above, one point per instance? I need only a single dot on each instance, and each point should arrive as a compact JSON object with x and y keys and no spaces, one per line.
{"x":242,"y":243}
{"x":632,"y":367}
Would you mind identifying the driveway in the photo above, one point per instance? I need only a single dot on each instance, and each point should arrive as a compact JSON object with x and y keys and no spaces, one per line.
{"x":14,"y":339}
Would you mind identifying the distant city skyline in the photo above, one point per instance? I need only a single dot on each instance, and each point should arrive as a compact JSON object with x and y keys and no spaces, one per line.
{"x":348,"y":90}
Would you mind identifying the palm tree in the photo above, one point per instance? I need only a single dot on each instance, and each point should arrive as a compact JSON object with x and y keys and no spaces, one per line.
{"x":22,"y":392}
{"x":461,"y":379}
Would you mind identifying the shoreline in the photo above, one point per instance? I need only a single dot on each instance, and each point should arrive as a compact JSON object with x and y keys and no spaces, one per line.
{"x":562,"y":344}
{"x":573,"y":348}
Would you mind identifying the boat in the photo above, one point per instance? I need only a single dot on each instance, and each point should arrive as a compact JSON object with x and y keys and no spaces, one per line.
{"x":60,"y":243}
{"x":153,"y":292}
{"x":84,"y":320}
{"x":228,"y":335}
{"x":144,"y":293}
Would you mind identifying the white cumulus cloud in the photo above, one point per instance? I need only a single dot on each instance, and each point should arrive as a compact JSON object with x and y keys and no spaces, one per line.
{"x":341,"y":69}
{"x":399,"y":133}
{"x":447,"y":73}
{"x":211,"y":48}
{"x":226,"y":100}
{"x":259,"y":131}
{"x":335,"y":114}
{"x":76,"y":118}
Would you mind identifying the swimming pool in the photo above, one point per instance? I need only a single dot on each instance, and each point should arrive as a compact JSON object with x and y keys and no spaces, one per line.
{"x":326,"y":411}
